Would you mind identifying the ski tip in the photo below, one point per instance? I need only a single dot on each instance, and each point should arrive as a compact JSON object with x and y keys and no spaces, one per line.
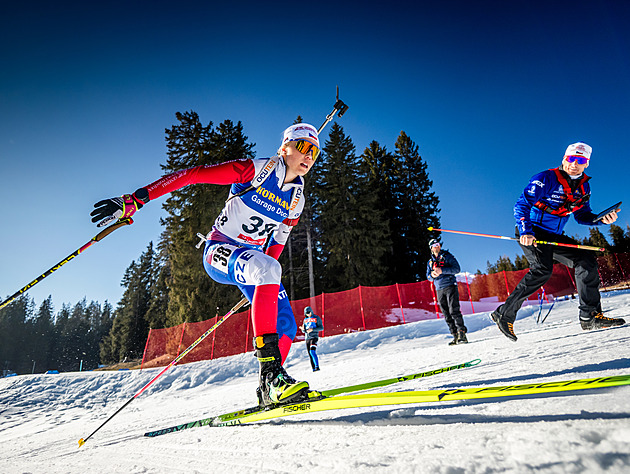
{"x":81,"y":442}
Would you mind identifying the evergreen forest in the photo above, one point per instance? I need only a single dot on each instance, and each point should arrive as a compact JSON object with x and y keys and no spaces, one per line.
{"x":365,"y":223}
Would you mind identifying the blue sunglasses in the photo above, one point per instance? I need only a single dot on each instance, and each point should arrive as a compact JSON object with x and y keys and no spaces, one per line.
{"x":581,"y":160}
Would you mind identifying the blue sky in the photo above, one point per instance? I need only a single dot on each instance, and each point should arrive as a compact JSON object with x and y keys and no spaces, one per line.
{"x":491,"y":91}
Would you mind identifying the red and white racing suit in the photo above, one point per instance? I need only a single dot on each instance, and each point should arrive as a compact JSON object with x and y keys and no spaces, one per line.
{"x":234,"y":251}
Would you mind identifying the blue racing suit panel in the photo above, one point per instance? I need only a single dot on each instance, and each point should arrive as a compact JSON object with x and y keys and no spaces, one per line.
{"x":285,"y":325}
{"x":545,"y":203}
{"x":234,"y":264}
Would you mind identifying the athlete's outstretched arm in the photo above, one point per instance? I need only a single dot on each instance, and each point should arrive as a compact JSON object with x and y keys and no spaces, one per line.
{"x":108,"y":210}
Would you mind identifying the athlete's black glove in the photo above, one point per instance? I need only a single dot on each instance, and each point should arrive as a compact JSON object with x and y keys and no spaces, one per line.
{"x":119,"y":207}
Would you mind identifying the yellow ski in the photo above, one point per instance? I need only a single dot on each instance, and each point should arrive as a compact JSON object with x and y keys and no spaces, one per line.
{"x":412,"y":397}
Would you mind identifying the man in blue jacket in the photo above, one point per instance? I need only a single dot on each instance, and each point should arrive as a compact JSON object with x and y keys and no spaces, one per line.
{"x":541,"y":213}
{"x":441,"y":270}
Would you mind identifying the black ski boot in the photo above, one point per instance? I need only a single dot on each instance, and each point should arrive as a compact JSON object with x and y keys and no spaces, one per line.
{"x":505,"y":327}
{"x":599,"y":321}
{"x":455,"y":340}
{"x":275,"y":385}
{"x":461,"y":337}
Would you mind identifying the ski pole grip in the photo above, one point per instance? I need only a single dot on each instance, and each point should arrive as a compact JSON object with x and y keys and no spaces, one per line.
{"x":108,"y":230}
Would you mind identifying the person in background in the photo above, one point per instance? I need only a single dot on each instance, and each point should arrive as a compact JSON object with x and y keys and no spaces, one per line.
{"x":265,"y":202}
{"x":541,"y":212}
{"x":441,"y":270}
{"x":311,"y":327}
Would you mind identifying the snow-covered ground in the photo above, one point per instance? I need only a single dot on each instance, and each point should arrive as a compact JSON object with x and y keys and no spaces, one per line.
{"x":42,"y":417}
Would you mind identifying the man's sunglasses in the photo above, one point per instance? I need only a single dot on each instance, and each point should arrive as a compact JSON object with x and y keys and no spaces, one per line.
{"x":304,"y":146}
{"x":581,"y":160}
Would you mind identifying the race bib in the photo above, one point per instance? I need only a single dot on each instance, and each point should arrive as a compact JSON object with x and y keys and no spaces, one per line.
{"x":219,"y":256}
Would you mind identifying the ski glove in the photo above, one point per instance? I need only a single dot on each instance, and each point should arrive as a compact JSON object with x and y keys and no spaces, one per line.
{"x":119,"y":207}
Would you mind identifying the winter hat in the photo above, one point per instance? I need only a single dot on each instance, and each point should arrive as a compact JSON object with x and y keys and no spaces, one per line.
{"x":579,"y":149}
{"x":307,"y":310}
{"x":301,"y":131}
{"x":433,"y":242}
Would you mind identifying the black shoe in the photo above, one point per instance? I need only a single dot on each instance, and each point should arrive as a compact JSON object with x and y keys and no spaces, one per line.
{"x":454,"y":341}
{"x":504,"y":326}
{"x":275,"y":387}
{"x":315,"y":369}
{"x":599,"y":321}
{"x":461,"y":337}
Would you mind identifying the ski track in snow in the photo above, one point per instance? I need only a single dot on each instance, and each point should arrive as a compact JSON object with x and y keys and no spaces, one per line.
{"x":42,"y":417}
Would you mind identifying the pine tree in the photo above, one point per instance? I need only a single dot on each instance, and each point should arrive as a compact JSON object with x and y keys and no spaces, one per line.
{"x":353,"y":231}
{"x":14,"y":348}
{"x":193,"y":296}
{"x":129,"y":330}
{"x":42,"y":336}
{"x":72,"y":337}
{"x":102,"y":333}
{"x":504,"y":264}
{"x":416,"y":209}
{"x":521,"y":263}
{"x":61,"y":321}
{"x":597,"y":239}
{"x":99,"y":325}
{"x":156,"y":314}
{"x":620,"y":239}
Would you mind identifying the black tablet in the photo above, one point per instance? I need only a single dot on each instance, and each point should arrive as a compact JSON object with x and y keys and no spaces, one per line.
{"x":601,"y":215}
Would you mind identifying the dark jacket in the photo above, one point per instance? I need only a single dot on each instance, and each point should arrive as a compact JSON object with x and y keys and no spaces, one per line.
{"x":449,"y":266}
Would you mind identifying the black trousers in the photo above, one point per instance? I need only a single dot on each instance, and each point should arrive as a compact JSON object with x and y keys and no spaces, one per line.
{"x":541,"y":259}
{"x":448,"y":299}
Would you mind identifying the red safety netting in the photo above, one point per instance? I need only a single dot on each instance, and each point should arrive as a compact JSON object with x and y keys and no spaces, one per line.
{"x":162,"y":346}
{"x":417,"y":301}
{"x":366,"y":308}
{"x":341,"y":312}
{"x":613,"y":269}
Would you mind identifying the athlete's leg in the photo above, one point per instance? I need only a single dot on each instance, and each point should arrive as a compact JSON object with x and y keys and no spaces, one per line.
{"x":248,"y":269}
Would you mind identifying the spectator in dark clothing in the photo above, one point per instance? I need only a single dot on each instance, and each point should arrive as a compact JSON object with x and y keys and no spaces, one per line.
{"x":441,"y":270}
{"x":311,"y":327}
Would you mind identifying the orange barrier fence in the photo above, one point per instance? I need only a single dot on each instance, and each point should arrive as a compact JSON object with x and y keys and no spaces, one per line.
{"x":366,"y":308}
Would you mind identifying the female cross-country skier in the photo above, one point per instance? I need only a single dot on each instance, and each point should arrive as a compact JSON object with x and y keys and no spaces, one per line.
{"x":266,"y":199}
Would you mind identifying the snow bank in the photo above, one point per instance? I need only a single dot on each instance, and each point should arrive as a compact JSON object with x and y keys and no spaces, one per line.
{"x":42,"y":417}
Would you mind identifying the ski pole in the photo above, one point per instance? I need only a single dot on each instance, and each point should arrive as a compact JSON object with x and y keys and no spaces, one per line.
{"x":559,"y":244}
{"x":550,"y":308}
{"x":234,"y":309}
{"x":100,"y":236}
